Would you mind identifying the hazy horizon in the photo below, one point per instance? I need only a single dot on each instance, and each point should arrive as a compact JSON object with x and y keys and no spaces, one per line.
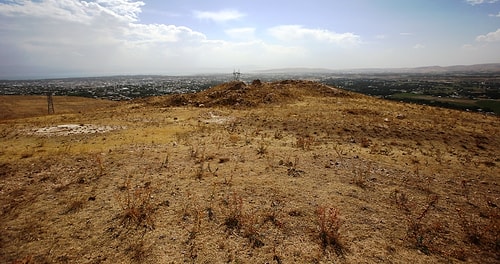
{"x":74,"y":38}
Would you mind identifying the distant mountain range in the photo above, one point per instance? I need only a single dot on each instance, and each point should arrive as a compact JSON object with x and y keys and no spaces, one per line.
{"x":476,"y":68}
{"x":491,"y":67}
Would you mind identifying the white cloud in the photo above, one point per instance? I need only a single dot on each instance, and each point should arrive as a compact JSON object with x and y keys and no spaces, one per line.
{"x":71,"y":10}
{"x":490,"y":37}
{"x":219,"y":16}
{"x":290,"y":33}
{"x":102,"y":37}
{"x":223,"y":54}
{"x":121,"y":8}
{"x":142,"y":33}
{"x":419,"y":46}
{"x":247,"y":33}
{"x":493,"y":15}
{"x":71,"y":37}
{"x":406,"y":34}
{"x":74,"y":37}
{"x":478,"y":2}
{"x":68,"y":10}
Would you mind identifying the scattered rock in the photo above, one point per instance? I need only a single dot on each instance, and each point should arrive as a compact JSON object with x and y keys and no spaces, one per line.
{"x":71,"y":129}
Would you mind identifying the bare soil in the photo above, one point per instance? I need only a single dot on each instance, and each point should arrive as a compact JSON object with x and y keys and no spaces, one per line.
{"x":283,"y":172}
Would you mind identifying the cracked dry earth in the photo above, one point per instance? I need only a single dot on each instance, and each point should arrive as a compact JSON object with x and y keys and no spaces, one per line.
{"x":323,"y":179}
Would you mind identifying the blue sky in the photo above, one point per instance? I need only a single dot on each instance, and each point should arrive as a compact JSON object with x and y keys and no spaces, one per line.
{"x":57,"y":38}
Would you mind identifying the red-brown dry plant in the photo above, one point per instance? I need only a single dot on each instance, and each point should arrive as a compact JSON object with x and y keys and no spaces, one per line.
{"x":419,"y":232}
{"x":234,"y":219}
{"x":137,"y":206}
{"x":329,"y":224}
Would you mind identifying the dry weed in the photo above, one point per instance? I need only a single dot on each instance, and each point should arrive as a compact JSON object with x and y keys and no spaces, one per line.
{"x":419,"y":233}
{"x":137,"y":205}
{"x":233,"y":220}
{"x":25,"y":260}
{"x":483,"y":228}
{"x":329,"y":224}
{"x":138,"y":251}
{"x":360,"y":178}
{"x":304,"y":142}
{"x":292,"y":169}
{"x":74,"y":206}
{"x":262,"y":148}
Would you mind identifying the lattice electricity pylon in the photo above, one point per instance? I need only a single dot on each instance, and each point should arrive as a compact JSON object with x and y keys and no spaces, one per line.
{"x":50,"y":104}
{"x":236,"y":75}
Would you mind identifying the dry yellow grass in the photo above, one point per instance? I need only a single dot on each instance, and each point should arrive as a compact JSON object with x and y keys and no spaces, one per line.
{"x":253,"y":181}
{"x":18,"y":106}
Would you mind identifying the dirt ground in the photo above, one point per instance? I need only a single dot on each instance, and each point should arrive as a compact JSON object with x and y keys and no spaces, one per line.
{"x":284,"y":172}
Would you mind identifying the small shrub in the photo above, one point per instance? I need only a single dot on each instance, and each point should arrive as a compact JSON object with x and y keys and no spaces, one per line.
{"x":262,"y":149}
{"x":100,"y":166}
{"x":365,"y":142}
{"x":274,"y":213}
{"x":294,"y":172}
{"x":138,"y":252}
{"x":250,"y":226}
{"x":419,"y":232}
{"x":233,"y":220}
{"x":292,"y":169}
{"x":196,"y":224}
{"x":137,"y":206}
{"x":200,"y":171}
{"x":278,"y":134}
{"x":329,"y":224}
{"x":165,"y":163}
{"x":197,"y":153}
{"x":245,"y":224}
{"x":304,"y":142}
{"x":381,"y":149}
{"x":470,"y":228}
{"x":234,"y":138}
{"x":74,"y":206}
{"x":360,"y":178}
{"x":25,"y":260}
{"x":338,"y":150}
{"x":483,"y":228}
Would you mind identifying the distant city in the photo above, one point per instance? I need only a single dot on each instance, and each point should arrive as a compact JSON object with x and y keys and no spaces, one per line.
{"x":474,"y":91}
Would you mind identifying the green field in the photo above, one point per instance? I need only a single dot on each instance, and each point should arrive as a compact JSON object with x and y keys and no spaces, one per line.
{"x":484,"y":105}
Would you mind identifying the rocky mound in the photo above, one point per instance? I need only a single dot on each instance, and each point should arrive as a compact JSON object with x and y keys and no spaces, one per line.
{"x":240,"y":94}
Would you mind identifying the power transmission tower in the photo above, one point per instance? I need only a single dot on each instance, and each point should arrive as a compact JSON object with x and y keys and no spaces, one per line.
{"x":236,"y":75}
{"x":50,"y":104}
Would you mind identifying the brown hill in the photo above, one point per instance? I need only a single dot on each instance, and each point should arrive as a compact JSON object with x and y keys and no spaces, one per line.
{"x":312,"y":174}
{"x":239,"y":94}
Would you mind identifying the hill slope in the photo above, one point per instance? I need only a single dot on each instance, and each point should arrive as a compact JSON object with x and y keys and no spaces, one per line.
{"x":312,"y":174}
{"x":239,"y":94}
{"x":19,"y":106}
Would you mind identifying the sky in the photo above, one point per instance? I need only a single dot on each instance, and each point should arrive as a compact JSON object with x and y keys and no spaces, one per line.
{"x":73,"y":38}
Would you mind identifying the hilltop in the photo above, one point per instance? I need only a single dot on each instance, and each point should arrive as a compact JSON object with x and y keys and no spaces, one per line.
{"x":266,"y":172}
{"x":240,"y":94}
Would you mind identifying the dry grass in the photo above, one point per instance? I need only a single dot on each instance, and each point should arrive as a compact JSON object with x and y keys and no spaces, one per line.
{"x":137,"y":205}
{"x":16,"y":106}
{"x":329,"y":223}
{"x":420,"y":233}
{"x":289,"y":179}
